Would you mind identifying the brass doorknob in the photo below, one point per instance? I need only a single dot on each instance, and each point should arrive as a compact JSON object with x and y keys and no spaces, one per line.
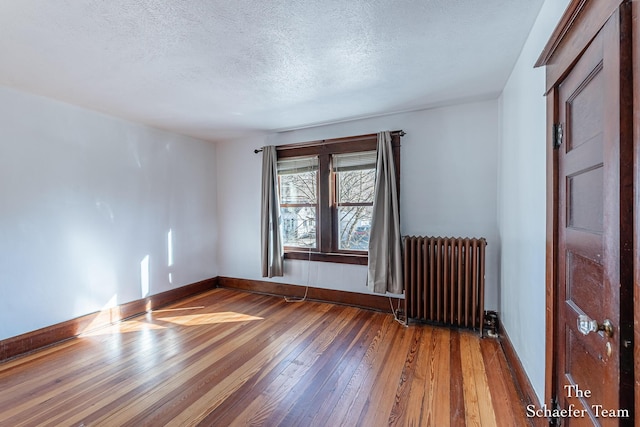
{"x":587,"y":324}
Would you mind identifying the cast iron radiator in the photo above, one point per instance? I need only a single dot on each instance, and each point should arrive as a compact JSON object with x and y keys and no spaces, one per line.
{"x":444,"y":280}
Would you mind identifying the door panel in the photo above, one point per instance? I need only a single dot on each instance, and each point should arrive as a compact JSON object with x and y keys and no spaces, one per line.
{"x":582,"y":270}
{"x":585,"y":196}
{"x":588,"y":235}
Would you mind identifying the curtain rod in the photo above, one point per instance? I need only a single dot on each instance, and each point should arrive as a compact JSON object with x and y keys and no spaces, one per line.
{"x":399,"y":132}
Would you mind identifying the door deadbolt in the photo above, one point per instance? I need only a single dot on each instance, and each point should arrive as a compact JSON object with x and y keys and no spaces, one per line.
{"x":587,"y":324}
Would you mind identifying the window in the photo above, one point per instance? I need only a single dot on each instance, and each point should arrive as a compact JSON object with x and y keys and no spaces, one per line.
{"x":326,"y":197}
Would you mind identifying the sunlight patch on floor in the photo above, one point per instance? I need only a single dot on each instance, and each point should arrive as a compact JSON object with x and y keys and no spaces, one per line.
{"x":208,"y":318}
{"x":154,"y":321}
{"x":133,"y":325}
{"x":168,"y":310}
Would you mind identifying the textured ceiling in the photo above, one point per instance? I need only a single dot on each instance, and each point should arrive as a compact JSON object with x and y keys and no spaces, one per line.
{"x":214,"y":69}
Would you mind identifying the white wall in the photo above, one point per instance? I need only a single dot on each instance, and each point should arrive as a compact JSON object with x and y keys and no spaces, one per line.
{"x":448,"y":187}
{"x":86,"y":199}
{"x":522,"y":200}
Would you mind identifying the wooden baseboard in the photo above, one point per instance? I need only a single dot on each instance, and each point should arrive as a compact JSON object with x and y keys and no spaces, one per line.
{"x":528,"y":395}
{"x":31,"y":341}
{"x":371,"y":302}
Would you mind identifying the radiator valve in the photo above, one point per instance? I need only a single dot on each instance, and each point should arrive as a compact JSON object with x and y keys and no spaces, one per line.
{"x":491,"y":323}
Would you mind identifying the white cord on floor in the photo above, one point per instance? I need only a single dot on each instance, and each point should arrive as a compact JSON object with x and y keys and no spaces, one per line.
{"x":306,"y":290}
{"x":394,"y":312}
{"x":293,"y":299}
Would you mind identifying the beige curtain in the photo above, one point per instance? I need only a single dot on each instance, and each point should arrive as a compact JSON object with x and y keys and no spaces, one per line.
{"x":385,"y":256}
{"x":270,"y":238}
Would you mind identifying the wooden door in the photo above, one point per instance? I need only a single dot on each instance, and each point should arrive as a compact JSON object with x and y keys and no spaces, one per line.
{"x":593,"y":231}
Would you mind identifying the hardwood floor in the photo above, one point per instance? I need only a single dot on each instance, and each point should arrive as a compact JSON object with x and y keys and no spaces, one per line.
{"x":234,"y":358}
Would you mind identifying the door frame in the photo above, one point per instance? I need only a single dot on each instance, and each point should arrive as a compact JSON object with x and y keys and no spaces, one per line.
{"x":578,"y":26}
{"x":635,"y":17}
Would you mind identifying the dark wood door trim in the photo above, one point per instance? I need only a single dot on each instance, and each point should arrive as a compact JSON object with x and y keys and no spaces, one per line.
{"x":628,"y":195}
{"x":578,"y":26}
{"x":636,"y":161}
{"x":551,"y":246}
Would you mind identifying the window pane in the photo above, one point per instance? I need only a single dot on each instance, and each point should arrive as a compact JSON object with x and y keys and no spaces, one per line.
{"x":298,"y":181}
{"x":354,"y":161}
{"x":297,"y":165}
{"x":354,"y":227}
{"x":299,"y":188}
{"x":356,"y":186}
{"x":299,"y":226}
{"x":355,"y":182}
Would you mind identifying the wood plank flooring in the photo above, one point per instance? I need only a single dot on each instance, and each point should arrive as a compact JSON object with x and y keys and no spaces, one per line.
{"x":227,"y":358}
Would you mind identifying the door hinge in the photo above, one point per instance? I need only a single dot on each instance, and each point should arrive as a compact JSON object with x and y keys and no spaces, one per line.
{"x":558,"y":135}
{"x":555,"y":406}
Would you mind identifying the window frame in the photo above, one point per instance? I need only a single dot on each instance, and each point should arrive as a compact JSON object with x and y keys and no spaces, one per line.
{"x":327,"y":247}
